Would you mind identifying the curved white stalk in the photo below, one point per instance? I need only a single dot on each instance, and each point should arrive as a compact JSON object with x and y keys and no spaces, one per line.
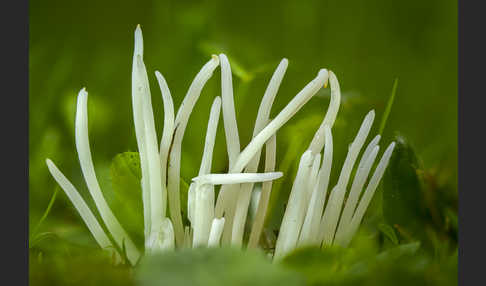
{"x":295,"y":210}
{"x":292,"y":107}
{"x":216,"y":231}
{"x":168,"y":127}
{"x":334,"y":206}
{"x":319,"y":138}
{"x":354,"y":193}
{"x":270,"y":160}
{"x":81,"y":206}
{"x":84,"y":154}
{"x":138,"y":119}
{"x":368,"y":195}
{"x":229,"y":115}
{"x":175,"y":155}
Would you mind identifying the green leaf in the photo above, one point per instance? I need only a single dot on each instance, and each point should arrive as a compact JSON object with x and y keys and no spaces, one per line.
{"x":402,"y":197}
{"x":213,"y":266}
{"x":389,"y":232}
{"x":125,"y":175}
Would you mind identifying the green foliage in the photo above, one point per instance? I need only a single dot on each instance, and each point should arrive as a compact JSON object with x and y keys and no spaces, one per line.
{"x":402,"y":191}
{"x":125,"y":175}
{"x":213,"y":266}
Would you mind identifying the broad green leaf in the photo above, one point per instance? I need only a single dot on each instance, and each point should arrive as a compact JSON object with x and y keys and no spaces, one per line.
{"x":127,"y":205}
{"x":213,"y":266}
{"x":402,"y":191}
{"x":126,"y":175}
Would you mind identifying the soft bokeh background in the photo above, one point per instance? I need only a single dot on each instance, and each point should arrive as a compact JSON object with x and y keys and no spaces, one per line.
{"x":75,"y":44}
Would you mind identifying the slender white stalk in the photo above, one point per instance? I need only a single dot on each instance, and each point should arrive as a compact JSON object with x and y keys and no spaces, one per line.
{"x":191,"y":202}
{"x":216,"y":231}
{"x":210,"y":137}
{"x":368,"y":195}
{"x":269,"y":97}
{"x":175,"y":155}
{"x":310,"y":201}
{"x":270,"y":160}
{"x":243,"y":196}
{"x":318,"y":140}
{"x":263,"y":114}
{"x":295,"y":210}
{"x":236,"y":178}
{"x":162,"y":238}
{"x":138,"y":119}
{"x":257,"y":142}
{"x":203,"y":214}
{"x":229,"y":116}
{"x":333,"y":208}
{"x":292,"y":107}
{"x":310,"y":229}
{"x":81,"y":206}
{"x":84,"y":154}
{"x":168,"y":127}
{"x":158,"y":195}
{"x":354,"y":193}
{"x":312,"y":180}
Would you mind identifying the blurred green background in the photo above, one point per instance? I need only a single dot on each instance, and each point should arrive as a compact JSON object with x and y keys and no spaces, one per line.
{"x":75,"y":44}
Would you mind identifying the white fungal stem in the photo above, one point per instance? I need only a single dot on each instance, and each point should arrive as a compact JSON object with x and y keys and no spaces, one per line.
{"x":203,"y":214}
{"x":162,"y":238}
{"x":229,"y":116}
{"x":312,"y":221}
{"x":158,"y":195}
{"x":216,"y":231}
{"x":175,"y":155}
{"x":292,"y":107}
{"x":318,"y":140}
{"x":244,"y":195}
{"x":368,"y":195}
{"x":168,"y":127}
{"x":359,"y":180}
{"x":295,"y":210}
{"x":81,"y":206}
{"x":257,"y":142}
{"x":270,"y":160}
{"x":200,"y":200}
{"x":236,"y":178}
{"x":84,"y":153}
{"x":207,"y":158}
{"x":138,"y":119}
{"x":333,"y":208}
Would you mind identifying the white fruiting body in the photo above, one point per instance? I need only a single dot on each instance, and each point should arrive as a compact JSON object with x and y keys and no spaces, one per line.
{"x":308,"y":220}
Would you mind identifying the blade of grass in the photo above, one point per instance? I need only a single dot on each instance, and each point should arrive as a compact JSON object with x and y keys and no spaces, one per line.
{"x":388,"y":107}
{"x":46,"y":212}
